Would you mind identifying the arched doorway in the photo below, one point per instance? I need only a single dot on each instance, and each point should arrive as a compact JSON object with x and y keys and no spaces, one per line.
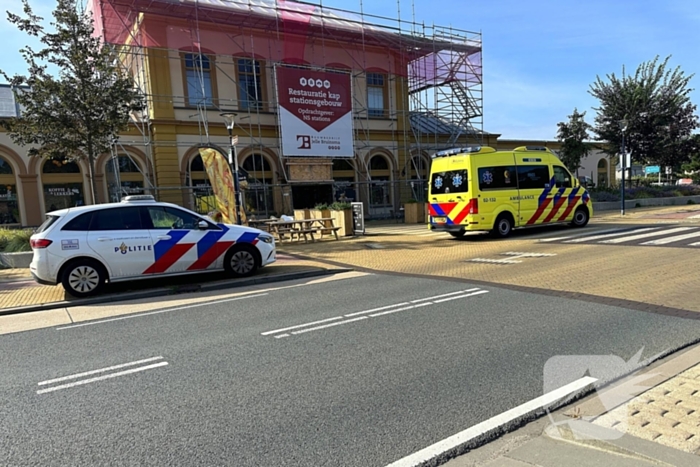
{"x":344,"y":181}
{"x":125,"y":176}
{"x":259,"y":197}
{"x":380,"y":197}
{"x":9,"y":206}
{"x":201,"y":197}
{"x":62,"y":181}
{"x":417,"y":175}
{"x":602,"y":173}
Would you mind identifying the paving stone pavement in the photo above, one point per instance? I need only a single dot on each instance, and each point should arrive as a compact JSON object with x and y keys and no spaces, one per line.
{"x":668,"y":414}
{"x":661,"y":277}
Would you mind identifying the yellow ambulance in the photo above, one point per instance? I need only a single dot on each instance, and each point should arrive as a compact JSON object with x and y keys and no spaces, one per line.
{"x":481,"y":189}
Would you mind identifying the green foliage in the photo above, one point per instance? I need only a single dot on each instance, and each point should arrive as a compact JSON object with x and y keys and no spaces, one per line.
{"x":14,"y":241}
{"x":77,"y":113}
{"x":322,"y":207}
{"x":340,"y":206}
{"x":572,"y":135}
{"x":655,"y":103}
{"x":411,"y":201}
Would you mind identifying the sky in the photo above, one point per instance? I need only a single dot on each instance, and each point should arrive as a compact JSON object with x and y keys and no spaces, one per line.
{"x":539,"y":56}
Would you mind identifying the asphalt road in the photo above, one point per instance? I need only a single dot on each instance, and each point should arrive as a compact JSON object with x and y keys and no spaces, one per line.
{"x":228,"y":383}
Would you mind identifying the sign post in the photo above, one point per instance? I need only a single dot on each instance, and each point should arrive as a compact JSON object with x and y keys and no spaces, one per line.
{"x":358,"y":218}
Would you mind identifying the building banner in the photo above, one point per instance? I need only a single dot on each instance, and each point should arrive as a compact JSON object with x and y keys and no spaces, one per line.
{"x":315,"y":111}
{"x":221,"y":180}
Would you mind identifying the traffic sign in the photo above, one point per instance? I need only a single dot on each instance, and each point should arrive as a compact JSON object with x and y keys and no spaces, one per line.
{"x":669,"y":170}
{"x":652,"y":169}
{"x":235,"y":139}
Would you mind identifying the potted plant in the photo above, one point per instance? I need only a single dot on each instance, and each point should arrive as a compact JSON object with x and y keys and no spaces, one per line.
{"x":342,"y":217}
{"x":414,"y":212}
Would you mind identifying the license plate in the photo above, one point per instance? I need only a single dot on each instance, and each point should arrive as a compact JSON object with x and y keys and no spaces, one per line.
{"x":440,"y":220}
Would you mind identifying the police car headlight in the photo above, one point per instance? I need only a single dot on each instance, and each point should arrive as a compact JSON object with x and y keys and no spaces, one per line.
{"x":266,"y":239}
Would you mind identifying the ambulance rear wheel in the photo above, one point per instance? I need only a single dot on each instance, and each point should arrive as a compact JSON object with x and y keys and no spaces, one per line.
{"x":503,"y":226}
{"x":581,"y":217}
{"x":458,"y":234}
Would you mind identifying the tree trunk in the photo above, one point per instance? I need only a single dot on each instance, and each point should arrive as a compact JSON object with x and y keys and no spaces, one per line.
{"x":93,"y":189}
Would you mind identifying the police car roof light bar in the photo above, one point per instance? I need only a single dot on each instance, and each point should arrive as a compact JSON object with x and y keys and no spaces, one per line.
{"x":137,"y":198}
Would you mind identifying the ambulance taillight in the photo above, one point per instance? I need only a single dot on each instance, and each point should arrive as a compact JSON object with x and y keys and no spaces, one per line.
{"x":474,"y":206}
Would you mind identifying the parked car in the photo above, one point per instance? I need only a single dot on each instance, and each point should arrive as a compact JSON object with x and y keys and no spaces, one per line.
{"x":586,"y":182}
{"x":139,"y":238}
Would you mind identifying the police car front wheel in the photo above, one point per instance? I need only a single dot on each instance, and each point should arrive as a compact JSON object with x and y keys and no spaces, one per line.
{"x":241,"y":260}
{"x":83,"y":278}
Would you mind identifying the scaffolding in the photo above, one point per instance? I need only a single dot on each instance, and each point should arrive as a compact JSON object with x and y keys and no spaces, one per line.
{"x":431,"y":81}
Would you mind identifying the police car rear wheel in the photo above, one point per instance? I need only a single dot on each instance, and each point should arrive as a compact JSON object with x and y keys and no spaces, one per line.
{"x":581,"y":217}
{"x":83,"y":278}
{"x":241,"y":261}
{"x":503,"y":227}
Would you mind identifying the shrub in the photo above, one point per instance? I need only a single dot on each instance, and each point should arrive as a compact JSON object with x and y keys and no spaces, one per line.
{"x":339,"y":206}
{"x":13,"y":241}
{"x":322,"y":207}
{"x":604,"y":196}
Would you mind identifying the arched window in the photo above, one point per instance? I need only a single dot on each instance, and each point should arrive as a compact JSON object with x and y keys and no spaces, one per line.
{"x":250,"y":88}
{"x":419,"y":168}
{"x":378,"y":163}
{"x":63,"y":184}
{"x":602,"y":164}
{"x":9,"y":207}
{"x":259,"y":197}
{"x":124,"y":177}
{"x":380,"y":188}
{"x":200,"y":80}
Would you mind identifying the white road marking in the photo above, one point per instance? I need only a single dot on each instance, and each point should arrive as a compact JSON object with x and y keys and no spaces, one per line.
{"x":646,"y":235}
{"x":139,"y":315}
{"x":568,"y":237}
{"x":677,"y":238}
{"x":267,"y":333}
{"x":302,"y":331}
{"x":598,"y":237}
{"x":384,"y":310}
{"x":528,"y":255}
{"x":443,"y":295}
{"x":496,"y":261}
{"x":454,"y":441}
{"x":695,"y":244}
{"x":402,"y":309}
{"x":101,"y":370}
{"x":462,"y":296}
{"x":694,"y":217}
{"x":101,"y":378}
{"x":375,"y":309}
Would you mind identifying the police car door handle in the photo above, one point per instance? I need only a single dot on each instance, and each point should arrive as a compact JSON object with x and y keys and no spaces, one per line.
{"x":103,"y":239}
{"x":164,"y":237}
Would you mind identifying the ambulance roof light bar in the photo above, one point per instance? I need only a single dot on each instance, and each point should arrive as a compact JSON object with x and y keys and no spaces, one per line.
{"x":455,"y":151}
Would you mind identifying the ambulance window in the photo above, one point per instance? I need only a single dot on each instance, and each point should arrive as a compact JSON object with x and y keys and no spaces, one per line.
{"x":562,"y":177}
{"x":452,"y":181}
{"x":533,"y":177}
{"x":497,"y":178}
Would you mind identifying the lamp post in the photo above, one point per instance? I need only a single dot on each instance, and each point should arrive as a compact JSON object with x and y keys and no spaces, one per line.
{"x":229,"y":118}
{"x":623,"y":127}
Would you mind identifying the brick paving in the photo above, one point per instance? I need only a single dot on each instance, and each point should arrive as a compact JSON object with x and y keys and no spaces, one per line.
{"x":668,"y":414}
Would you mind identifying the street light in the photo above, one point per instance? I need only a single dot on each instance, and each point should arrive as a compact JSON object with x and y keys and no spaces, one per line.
{"x":623,"y":127}
{"x":229,"y":118}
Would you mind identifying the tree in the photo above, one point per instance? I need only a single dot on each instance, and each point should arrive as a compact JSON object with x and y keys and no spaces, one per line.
{"x":655,"y":102}
{"x":693,"y":164}
{"x":77,"y":113}
{"x":572,"y":135}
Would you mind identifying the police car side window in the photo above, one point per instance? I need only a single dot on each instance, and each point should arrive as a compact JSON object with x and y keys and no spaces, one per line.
{"x":533,"y":177}
{"x":116,"y":219}
{"x":80,"y":223}
{"x":169,"y":218}
{"x":562,"y":177}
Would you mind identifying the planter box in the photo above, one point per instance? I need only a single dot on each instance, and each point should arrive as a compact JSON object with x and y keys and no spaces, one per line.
{"x":319,"y":213}
{"x":415,"y":213}
{"x":16,"y":260}
{"x":343,"y":219}
{"x":302,"y":214}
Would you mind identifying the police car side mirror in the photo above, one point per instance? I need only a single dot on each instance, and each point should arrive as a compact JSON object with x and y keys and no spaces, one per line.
{"x":203,"y":225}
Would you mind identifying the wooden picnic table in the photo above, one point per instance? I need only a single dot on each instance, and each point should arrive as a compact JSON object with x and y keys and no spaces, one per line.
{"x":303,"y":227}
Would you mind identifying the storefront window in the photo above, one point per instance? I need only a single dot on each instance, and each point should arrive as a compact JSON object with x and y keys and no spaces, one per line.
{"x":64,"y":195}
{"x":9,"y":209}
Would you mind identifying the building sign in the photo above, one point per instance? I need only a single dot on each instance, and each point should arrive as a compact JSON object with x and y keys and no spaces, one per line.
{"x":315,"y":112}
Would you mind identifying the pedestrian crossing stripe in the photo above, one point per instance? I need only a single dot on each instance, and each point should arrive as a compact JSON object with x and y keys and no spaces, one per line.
{"x":643,"y":236}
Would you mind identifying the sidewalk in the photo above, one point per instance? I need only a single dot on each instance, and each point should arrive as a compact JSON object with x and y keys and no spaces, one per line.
{"x":18,"y":289}
{"x":659,"y":427}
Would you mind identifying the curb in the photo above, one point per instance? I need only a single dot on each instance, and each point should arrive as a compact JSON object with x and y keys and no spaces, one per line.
{"x":165,"y":291}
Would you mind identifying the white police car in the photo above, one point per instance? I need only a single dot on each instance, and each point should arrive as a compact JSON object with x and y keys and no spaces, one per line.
{"x":139,"y":238}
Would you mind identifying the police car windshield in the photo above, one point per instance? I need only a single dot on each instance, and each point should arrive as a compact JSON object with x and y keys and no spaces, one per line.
{"x":453,"y":181}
